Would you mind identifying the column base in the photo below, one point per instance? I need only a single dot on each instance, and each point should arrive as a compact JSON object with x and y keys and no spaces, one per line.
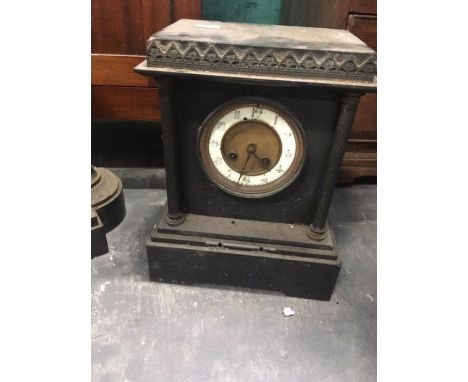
{"x":174,"y":220}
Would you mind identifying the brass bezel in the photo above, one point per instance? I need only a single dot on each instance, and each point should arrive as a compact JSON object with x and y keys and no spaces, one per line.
{"x":247,"y":191}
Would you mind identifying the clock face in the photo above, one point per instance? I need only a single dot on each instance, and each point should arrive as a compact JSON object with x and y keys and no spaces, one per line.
{"x":251,"y":148}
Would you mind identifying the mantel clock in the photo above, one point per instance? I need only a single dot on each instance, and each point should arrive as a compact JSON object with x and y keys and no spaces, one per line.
{"x":255,"y":120}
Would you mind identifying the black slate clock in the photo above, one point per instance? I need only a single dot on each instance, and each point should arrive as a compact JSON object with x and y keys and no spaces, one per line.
{"x":255,"y":120}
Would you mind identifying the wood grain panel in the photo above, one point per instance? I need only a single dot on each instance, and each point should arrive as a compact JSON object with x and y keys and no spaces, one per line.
{"x":365,"y":121}
{"x":117,"y":70}
{"x":361,"y":145}
{"x":186,"y":9}
{"x":365,"y":28}
{"x":117,"y":27}
{"x":363,"y":6}
{"x":120,"y":102}
{"x":315,"y":13}
{"x":156,"y":16}
{"x":360,"y":159}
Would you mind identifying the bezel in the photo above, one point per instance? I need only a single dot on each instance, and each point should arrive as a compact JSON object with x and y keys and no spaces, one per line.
{"x":246,"y":190}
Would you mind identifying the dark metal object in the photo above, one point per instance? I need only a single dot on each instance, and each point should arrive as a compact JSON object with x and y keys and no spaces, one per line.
{"x":279,"y":241}
{"x":107,"y":207}
{"x":98,"y":236}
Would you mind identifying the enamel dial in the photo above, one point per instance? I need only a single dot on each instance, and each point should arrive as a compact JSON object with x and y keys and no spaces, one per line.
{"x":251,"y":148}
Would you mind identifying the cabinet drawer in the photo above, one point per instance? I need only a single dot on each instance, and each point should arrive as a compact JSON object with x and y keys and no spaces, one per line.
{"x":365,"y":121}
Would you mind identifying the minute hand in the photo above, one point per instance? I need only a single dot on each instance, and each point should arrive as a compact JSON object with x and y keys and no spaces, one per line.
{"x":243,"y":168}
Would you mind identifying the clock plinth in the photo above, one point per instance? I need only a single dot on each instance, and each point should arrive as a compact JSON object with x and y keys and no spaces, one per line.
{"x":244,"y":253}
{"x":255,"y":120}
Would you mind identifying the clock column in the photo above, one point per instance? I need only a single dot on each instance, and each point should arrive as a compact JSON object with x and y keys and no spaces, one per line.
{"x":174,"y":214}
{"x":331,"y":170}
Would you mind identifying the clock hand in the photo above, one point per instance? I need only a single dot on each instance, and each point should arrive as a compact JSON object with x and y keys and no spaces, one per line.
{"x":251,"y":148}
{"x":256,"y":156}
{"x":243,"y":168}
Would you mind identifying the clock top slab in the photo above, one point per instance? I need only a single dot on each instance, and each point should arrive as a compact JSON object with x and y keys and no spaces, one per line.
{"x":329,"y":57}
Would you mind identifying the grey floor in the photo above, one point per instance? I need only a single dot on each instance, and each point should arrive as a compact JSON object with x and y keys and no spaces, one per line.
{"x":144,"y":331}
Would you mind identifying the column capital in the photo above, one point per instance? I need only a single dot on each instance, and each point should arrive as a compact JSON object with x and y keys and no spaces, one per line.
{"x":351,"y":98}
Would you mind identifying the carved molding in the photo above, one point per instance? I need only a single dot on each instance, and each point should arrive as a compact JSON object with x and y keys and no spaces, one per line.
{"x":288,"y":62}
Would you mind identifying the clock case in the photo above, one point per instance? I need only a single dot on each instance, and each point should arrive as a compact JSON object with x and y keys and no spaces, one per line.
{"x":282,"y":242}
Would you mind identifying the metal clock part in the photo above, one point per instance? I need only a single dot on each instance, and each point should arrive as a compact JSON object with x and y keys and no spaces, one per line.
{"x":107,"y":207}
{"x":251,"y":147}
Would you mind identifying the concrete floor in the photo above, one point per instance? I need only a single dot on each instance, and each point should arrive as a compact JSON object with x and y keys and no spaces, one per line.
{"x":145,"y":331}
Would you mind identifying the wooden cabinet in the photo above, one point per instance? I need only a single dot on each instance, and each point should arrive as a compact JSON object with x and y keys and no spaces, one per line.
{"x":120,"y":29}
{"x":361,"y":154}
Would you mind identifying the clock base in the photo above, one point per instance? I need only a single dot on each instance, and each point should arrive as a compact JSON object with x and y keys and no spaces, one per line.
{"x":244,"y":253}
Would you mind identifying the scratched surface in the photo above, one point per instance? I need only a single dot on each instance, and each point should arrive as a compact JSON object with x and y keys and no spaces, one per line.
{"x":144,"y":331}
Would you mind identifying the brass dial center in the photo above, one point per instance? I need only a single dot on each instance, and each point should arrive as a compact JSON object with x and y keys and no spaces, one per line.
{"x":251,"y":147}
